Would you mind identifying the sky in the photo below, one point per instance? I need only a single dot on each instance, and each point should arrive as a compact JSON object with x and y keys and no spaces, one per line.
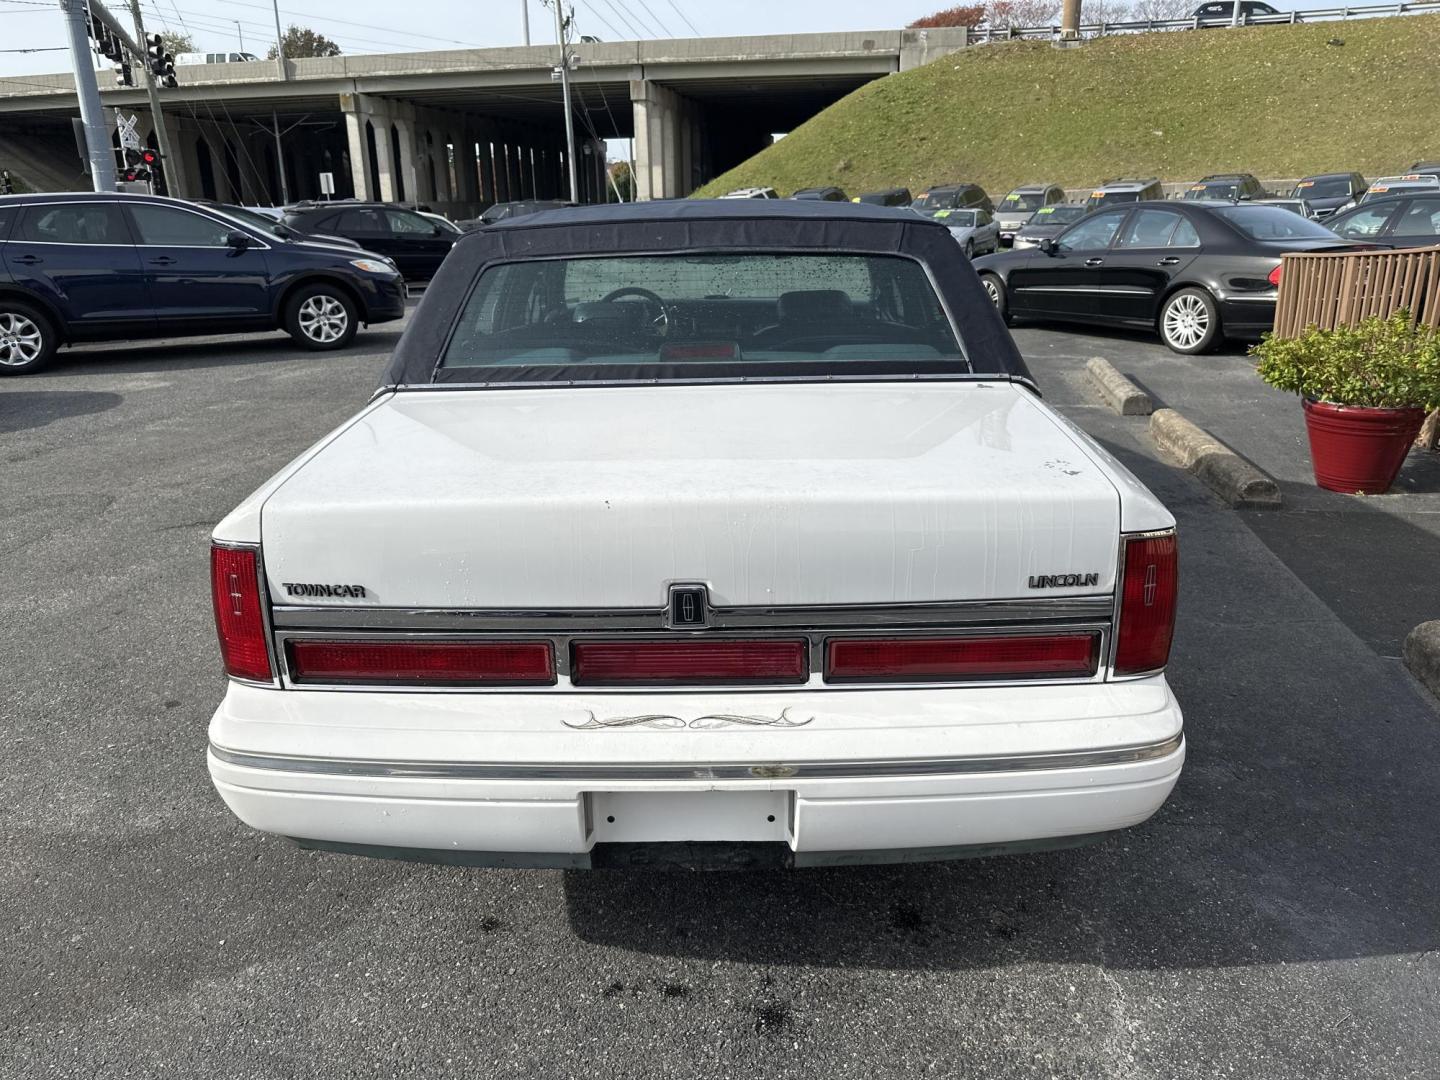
{"x":385,"y":26}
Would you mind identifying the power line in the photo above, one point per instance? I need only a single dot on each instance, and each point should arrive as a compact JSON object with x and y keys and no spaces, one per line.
{"x":619,"y":14}
{"x":651,"y":12}
{"x":216,"y":24}
{"x":348,"y":22}
{"x":693,"y":28}
{"x":618,"y":35}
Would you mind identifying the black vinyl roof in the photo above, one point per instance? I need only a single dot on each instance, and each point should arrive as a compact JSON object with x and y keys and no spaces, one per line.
{"x":713,"y":225}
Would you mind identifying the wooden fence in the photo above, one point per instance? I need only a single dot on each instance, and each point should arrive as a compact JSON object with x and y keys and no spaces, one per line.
{"x":1340,"y":288}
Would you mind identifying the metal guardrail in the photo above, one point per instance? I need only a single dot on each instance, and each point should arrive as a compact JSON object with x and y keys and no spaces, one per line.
{"x":1141,"y":26}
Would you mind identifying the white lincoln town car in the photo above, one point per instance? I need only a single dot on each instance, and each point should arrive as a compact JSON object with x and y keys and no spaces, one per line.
{"x":699,"y":533}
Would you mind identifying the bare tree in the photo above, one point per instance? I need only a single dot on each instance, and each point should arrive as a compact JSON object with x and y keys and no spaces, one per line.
{"x":1002,"y":14}
{"x":1104,"y":11}
{"x":1160,"y":10}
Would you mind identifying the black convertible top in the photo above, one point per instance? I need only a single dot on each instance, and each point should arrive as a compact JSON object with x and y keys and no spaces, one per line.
{"x":683,"y":225}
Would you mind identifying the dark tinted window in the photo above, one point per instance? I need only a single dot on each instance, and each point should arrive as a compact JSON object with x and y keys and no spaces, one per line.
{"x":361,"y":221}
{"x":1057,"y":215}
{"x":1364,"y":222}
{"x":1023,"y":201}
{"x":409,"y":223}
{"x":1092,"y":233}
{"x":674,"y":316}
{"x":1272,"y":223}
{"x":1421,"y":219}
{"x":1151,"y":229}
{"x":1335,"y":188}
{"x":166,"y":226}
{"x":937,"y":200}
{"x":8,"y":214}
{"x":73,"y":223}
{"x":1105,"y":198}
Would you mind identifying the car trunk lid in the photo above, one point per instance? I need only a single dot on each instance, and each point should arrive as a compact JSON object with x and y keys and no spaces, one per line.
{"x":778,"y":494}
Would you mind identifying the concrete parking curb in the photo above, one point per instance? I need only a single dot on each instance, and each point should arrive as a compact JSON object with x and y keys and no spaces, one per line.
{"x":1422,"y":654}
{"x":1118,"y":392}
{"x":1225,"y":472}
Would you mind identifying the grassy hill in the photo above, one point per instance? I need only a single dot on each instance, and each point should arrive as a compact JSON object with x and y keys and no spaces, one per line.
{"x":1277,"y":101}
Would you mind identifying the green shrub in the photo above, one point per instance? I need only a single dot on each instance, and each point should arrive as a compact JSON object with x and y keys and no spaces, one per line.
{"x":1380,"y":363}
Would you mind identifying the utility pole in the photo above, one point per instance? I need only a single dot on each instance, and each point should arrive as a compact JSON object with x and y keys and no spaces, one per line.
{"x":279,"y":42}
{"x":92,"y":115}
{"x":1235,"y":13}
{"x":241,"y":31}
{"x":280,"y":161}
{"x":169,"y":161}
{"x":1070,"y":20}
{"x":565,"y":92}
{"x":525,"y":19}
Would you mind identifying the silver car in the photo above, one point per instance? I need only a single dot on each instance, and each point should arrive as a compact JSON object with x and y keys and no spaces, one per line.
{"x":1018,"y":207}
{"x":974,"y":230}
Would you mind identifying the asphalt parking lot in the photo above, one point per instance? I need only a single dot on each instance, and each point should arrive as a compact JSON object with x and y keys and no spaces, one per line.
{"x":1280,"y":917}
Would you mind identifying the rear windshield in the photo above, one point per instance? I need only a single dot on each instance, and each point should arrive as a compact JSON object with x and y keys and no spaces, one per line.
{"x":1023,"y":200}
{"x":1336,"y":188}
{"x":1058,"y":215}
{"x":1396,"y":187}
{"x":702,"y":316}
{"x":1272,"y":223}
{"x":957,"y":219}
{"x":1214,"y":189}
{"x":1106,"y":197}
{"x":937,"y":200}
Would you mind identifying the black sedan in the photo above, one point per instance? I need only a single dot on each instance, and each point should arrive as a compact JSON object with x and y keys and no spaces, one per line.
{"x":411,"y":241}
{"x":1395,"y":221}
{"x":1196,"y":272}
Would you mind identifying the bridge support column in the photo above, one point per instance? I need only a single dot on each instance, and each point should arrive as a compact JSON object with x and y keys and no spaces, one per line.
{"x":667,"y":141}
{"x":358,"y":141}
{"x":407,"y":181}
{"x":372,"y":161}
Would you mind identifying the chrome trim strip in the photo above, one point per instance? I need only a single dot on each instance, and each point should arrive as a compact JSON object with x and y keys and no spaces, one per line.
{"x":770,"y":772}
{"x":1028,"y":610}
{"x":1108,"y":290}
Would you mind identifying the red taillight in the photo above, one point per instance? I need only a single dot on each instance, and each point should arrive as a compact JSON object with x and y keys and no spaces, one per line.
{"x":443,"y":663}
{"x":1147,"y":604}
{"x":239,"y":620}
{"x":991,"y":657}
{"x":1276,"y":275}
{"x":599,"y":663}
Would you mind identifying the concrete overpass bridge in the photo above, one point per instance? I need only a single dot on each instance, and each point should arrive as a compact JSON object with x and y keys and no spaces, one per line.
{"x":464,"y":128}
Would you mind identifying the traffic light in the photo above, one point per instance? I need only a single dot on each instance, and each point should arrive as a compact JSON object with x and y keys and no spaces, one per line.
{"x":159,"y":61}
{"x":123,"y":75}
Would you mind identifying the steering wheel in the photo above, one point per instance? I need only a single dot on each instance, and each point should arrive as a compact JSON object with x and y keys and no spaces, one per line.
{"x":661,"y":319}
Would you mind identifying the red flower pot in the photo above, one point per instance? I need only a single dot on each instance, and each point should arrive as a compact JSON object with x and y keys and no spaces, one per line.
{"x":1356,"y":449}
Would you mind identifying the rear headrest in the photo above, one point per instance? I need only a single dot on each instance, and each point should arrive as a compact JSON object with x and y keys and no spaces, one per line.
{"x":814,"y":305}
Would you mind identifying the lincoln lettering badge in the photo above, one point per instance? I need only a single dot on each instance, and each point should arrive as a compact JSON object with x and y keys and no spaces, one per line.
{"x":1063,"y":581}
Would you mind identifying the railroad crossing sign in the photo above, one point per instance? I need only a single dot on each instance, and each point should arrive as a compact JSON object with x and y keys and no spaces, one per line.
{"x":129,"y":137}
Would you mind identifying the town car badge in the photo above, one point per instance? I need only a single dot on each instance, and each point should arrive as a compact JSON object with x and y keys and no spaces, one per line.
{"x":305,"y":588}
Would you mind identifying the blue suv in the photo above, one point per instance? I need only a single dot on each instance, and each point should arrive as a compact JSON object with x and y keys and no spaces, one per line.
{"x":97,"y":266}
